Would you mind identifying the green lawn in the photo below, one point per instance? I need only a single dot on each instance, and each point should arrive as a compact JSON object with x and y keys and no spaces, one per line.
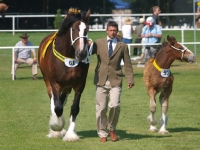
{"x":25,"y":108}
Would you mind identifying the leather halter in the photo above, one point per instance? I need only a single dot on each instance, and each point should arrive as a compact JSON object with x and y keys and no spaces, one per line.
{"x":182,"y":50}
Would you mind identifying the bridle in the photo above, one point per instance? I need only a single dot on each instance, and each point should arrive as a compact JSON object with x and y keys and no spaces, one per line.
{"x":182,"y":50}
{"x":73,"y":41}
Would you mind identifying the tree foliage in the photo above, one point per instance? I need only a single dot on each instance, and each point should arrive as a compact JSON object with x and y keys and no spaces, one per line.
{"x":58,"y":19}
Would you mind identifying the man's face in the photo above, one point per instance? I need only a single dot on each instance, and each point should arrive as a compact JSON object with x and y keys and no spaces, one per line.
{"x":111,"y":32}
{"x":24,"y":40}
{"x":158,"y":11}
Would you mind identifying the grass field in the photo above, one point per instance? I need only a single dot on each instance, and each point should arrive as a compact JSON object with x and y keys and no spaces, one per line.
{"x":25,"y":110}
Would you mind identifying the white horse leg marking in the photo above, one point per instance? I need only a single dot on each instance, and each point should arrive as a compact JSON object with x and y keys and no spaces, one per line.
{"x":163,"y":123}
{"x":82,"y":27}
{"x":71,"y":133}
{"x":163,"y":119}
{"x":56,"y":123}
{"x":152,"y":121}
{"x":151,"y":118}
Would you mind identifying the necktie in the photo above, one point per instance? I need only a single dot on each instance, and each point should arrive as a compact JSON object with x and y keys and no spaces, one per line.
{"x":110,"y":50}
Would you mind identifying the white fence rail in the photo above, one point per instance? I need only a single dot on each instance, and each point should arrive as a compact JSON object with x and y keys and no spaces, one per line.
{"x":117,"y":17}
{"x":129,"y":46}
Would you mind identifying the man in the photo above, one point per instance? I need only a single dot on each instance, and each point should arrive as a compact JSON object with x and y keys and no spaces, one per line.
{"x":23,"y":55}
{"x":108,"y":80}
{"x":155,"y":15}
{"x":151,"y":32}
{"x":137,"y":33}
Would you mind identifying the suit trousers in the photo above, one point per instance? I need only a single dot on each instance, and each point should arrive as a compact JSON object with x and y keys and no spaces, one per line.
{"x":103,"y":93}
{"x":26,"y":61}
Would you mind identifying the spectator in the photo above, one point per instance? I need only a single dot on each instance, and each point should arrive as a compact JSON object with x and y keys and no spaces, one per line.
{"x":108,"y":80}
{"x":137,"y":33}
{"x":23,"y":55}
{"x":142,"y":54}
{"x":127,"y":31}
{"x":151,"y":32}
{"x":197,"y":18}
{"x":155,"y":15}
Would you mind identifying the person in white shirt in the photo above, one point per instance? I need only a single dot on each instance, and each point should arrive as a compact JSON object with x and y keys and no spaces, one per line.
{"x":127,"y":31}
{"x":23,"y":55}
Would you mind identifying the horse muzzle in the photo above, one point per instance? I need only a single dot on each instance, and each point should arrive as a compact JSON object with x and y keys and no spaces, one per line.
{"x":191,"y":58}
{"x":81,"y":54}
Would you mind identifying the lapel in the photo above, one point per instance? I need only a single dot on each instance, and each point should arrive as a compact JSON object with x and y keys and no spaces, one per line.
{"x":105,"y":46}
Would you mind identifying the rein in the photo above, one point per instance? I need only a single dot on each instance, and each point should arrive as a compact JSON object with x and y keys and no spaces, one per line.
{"x":182,"y":50}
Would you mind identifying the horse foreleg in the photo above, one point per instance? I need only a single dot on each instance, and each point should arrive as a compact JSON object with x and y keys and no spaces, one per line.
{"x":164,"y":118}
{"x":71,"y":134}
{"x":151,"y":118}
{"x":56,"y":122}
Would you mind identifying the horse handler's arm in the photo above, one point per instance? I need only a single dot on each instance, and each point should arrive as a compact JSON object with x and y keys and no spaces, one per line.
{"x":128,"y":68}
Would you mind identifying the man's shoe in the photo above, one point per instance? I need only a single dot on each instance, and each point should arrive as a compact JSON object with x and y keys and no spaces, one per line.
{"x":103,"y":139}
{"x":34,"y":77}
{"x":113,"y":136}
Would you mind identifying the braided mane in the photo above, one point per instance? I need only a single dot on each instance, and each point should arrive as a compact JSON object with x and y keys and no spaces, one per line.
{"x":72,"y":16}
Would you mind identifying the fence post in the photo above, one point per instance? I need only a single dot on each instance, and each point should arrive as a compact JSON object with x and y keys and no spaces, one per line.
{"x":13,"y":65}
{"x":182,"y":35}
{"x":13,"y":25}
{"x":129,"y":49}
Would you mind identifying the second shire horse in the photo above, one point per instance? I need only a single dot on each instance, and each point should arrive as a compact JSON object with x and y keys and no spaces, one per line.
{"x":159,"y":79}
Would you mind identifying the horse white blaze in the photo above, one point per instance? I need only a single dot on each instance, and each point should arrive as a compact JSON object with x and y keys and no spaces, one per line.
{"x":82,"y":27}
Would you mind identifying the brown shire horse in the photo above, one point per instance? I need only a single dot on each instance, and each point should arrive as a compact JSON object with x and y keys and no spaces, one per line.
{"x":63,"y":63}
{"x":158,"y":78}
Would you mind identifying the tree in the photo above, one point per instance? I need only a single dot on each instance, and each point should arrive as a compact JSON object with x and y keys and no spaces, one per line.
{"x":58,"y":19}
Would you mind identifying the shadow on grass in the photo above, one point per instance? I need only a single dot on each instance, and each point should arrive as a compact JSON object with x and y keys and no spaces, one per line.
{"x":183,"y":129}
{"x":28,"y":78}
{"x":123,"y":135}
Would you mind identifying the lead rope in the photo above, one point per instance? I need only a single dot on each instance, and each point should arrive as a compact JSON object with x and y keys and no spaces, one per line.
{"x":197,"y":64}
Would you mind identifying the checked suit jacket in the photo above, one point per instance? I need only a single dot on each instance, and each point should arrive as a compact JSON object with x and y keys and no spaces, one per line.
{"x":109,"y":67}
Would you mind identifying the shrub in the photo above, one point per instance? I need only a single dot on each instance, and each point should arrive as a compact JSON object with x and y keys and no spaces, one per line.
{"x":58,"y":19}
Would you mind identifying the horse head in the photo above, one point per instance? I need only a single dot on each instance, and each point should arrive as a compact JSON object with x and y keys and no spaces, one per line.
{"x":182,"y":52}
{"x":78,"y":33}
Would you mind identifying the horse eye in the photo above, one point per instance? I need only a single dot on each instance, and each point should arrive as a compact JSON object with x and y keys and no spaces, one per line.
{"x":73,"y":29}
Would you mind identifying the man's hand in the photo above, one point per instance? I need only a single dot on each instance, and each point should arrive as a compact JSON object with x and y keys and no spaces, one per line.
{"x":35,"y":60}
{"x":130,"y":85}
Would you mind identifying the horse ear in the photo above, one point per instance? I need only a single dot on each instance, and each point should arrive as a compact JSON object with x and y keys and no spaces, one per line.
{"x":87,"y":15}
{"x":170,"y":40}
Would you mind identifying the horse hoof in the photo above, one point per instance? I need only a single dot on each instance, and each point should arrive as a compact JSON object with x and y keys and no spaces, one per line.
{"x":56,"y":134}
{"x":163,"y":132}
{"x":153,"y":128}
{"x":71,"y":137}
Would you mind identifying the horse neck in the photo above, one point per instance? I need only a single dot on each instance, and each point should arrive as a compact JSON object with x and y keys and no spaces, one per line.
{"x":63,"y":45}
{"x":164,"y":59}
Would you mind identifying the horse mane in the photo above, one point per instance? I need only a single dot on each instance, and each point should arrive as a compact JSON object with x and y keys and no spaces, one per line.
{"x":72,"y":16}
{"x":160,"y":47}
